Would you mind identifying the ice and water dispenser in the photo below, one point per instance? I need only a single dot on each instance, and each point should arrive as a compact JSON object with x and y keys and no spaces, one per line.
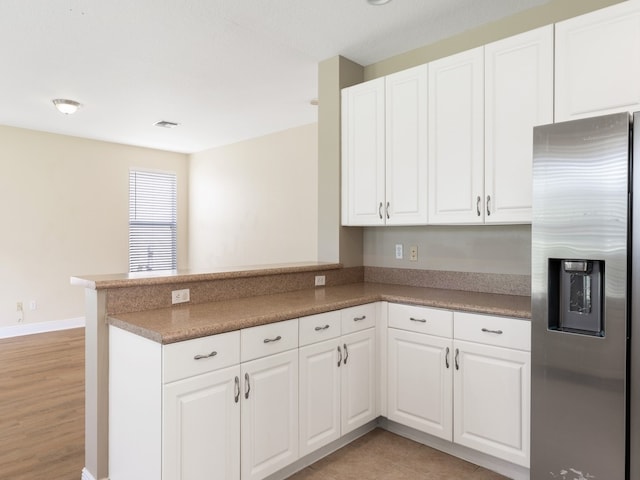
{"x":576,"y":296}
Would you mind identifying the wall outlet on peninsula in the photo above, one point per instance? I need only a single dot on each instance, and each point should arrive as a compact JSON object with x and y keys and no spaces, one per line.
{"x":180,"y":296}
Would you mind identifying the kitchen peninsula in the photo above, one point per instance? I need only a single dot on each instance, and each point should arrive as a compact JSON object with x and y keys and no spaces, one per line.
{"x":226,"y":301}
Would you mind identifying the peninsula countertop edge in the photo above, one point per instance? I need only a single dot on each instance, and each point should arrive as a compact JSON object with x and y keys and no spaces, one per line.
{"x":134,"y":279}
{"x":189,"y":321}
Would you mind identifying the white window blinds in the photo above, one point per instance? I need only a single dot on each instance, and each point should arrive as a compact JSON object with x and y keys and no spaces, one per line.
{"x":152,"y":221}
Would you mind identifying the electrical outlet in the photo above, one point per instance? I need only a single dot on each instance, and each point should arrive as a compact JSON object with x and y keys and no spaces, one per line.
{"x":399,"y":251}
{"x":180,"y":296}
{"x":19,"y":312}
{"x":319,"y":280}
{"x":413,"y":253}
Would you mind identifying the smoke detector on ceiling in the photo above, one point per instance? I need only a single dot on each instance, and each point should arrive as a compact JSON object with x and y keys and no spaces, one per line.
{"x":378,"y":2}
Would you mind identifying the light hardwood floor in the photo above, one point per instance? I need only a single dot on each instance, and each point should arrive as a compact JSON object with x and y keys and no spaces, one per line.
{"x":42,"y":406}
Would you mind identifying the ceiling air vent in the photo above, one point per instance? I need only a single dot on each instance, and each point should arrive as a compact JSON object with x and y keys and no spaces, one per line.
{"x":165,"y":124}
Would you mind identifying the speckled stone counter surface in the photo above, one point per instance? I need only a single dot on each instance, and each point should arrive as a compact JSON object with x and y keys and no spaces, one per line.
{"x":169,"y":325}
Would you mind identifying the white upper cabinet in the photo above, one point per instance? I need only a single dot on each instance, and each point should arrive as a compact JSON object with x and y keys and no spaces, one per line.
{"x":456,"y":138}
{"x":406,"y":147}
{"x":384,"y":150}
{"x":363,"y":171}
{"x":518,"y":96}
{"x":597,"y":62}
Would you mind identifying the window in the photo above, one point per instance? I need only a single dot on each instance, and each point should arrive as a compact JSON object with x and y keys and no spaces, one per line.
{"x":152,"y":221}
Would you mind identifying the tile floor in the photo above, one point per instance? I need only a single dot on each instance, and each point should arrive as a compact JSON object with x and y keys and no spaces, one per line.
{"x":382,"y":455}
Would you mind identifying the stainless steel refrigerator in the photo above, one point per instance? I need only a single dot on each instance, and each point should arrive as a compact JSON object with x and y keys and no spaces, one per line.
{"x":583,"y":391}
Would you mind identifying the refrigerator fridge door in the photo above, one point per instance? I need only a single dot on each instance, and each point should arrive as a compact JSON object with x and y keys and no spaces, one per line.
{"x":579,"y":299}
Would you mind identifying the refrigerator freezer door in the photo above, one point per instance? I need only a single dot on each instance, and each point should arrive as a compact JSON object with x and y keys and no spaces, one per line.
{"x":580,"y":212}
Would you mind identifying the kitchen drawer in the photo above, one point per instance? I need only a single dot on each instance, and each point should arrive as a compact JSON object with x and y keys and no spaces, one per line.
{"x":200,"y":355}
{"x":490,"y":330}
{"x":256,"y":342}
{"x":358,"y":318}
{"x":431,"y":321}
{"x":316,"y":328}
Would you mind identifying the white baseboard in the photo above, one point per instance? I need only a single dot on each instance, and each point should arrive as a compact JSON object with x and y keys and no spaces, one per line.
{"x":42,"y":327}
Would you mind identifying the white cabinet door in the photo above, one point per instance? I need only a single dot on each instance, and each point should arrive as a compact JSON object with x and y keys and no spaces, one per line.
{"x":518,"y":96}
{"x":492,"y":400}
{"x":269,"y":414}
{"x":363,"y":171}
{"x":358,"y":379}
{"x":406,"y":147}
{"x":456,"y":138}
{"x":319,"y":394}
{"x":420,"y":382}
{"x":201,"y":427}
{"x":597,"y":63}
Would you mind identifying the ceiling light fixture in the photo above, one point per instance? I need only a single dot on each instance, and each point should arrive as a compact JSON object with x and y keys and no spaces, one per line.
{"x":68,"y":107}
{"x":378,"y":2}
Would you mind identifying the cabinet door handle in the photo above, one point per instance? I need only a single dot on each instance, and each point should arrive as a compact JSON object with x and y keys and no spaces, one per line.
{"x":346,"y":353}
{"x":319,"y":329}
{"x":269,"y":340}
{"x":497,"y":332}
{"x":359,"y":319}
{"x":387,"y":210}
{"x":339,"y":356}
{"x":247,"y":386}
{"x":237,"y":389}
{"x":456,"y":359}
{"x":380,"y":210}
{"x":478,"y":205}
{"x":421,"y":320}
{"x":200,"y":357}
{"x":446,"y":359}
{"x":488,"y":205}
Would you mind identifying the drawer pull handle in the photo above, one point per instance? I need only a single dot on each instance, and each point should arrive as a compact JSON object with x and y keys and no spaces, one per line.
{"x":339,"y":356}
{"x":247,"y":386}
{"x":269,"y":340}
{"x":237,"y":389}
{"x":380,"y":210}
{"x":346,"y":353}
{"x":478,"y":200}
{"x":319,"y":329}
{"x":497,"y":332}
{"x":446,"y":359}
{"x":359,"y":319}
{"x":457,"y":360}
{"x":421,"y":320}
{"x":200,"y":357}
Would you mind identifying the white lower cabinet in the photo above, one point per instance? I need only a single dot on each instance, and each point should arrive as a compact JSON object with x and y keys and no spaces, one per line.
{"x":358,"y":379}
{"x":243,"y":405}
{"x":491,"y":398}
{"x":201,"y":418}
{"x":337,"y":376}
{"x":420,"y":382}
{"x":492,"y":382}
{"x":269,"y":416}
{"x":469,"y":385}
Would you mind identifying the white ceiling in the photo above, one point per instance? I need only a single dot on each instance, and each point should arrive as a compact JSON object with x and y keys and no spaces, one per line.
{"x":226,"y":70}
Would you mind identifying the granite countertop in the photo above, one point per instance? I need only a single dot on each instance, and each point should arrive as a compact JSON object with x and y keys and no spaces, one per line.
{"x":185,"y":322}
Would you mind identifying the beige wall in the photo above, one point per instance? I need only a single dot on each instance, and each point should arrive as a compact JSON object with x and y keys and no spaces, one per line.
{"x":255,"y":202}
{"x":64,"y":204}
